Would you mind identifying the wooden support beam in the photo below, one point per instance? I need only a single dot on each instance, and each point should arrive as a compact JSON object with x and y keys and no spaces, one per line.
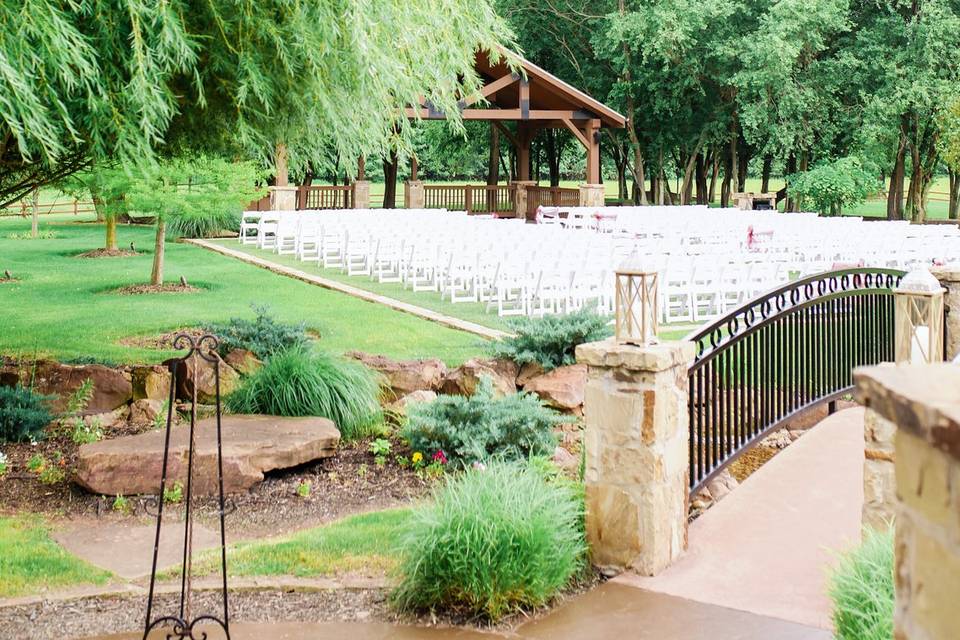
{"x":524,"y":99}
{"x":488,"y":90}
{"x":524,"y":135}
{"x":577,"y":133}
{"x":506,"y":132}
{"x":592,"y":134}
{"x":553,"y":116}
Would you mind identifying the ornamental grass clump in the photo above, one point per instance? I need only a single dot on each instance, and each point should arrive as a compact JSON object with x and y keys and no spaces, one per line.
{"x":551,"y":341}
{"x":301,"y":382}
{"x":492,"y":542}
{"x":482,"y":427}
{"x":861,"y":588}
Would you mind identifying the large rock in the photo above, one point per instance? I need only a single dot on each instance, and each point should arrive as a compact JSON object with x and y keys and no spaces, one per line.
{"x":243,"y":361}
{"x":145,"y":410}
{"x":252,"y":445}
{"x":417,"y":397}
{"x":406,"y":376}
{"x":151,"y":382}
{"x":465,"y":379}
{"x":112,"y":388}
{"x":561,"y":388}
{"x":197,"y":372}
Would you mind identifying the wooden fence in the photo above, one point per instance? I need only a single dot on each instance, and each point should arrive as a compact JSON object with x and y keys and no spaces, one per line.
{"x":551,"y":197}
{"x":25,"y":207}
{"x":470,"y":198}
{"x":314,"y":197}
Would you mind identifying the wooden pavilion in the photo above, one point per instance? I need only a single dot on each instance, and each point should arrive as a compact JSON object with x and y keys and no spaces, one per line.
{"x":532,"y":98}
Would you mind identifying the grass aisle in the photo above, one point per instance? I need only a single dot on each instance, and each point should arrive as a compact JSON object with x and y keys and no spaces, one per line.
{"x":65,"y":307}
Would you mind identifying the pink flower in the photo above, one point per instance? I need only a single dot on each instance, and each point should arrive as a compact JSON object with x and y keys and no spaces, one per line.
{"x":440,"y":457}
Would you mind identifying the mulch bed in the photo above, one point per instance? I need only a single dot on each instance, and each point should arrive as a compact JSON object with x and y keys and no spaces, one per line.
{"x":163,"y":341}
{"x":140,"y":289}
{"x":348,"y":483}
{"x":108,"y":253}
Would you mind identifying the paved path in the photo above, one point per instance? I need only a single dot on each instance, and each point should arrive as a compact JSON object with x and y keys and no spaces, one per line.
{"x":310,"y":278}
{"x":767,"y":547}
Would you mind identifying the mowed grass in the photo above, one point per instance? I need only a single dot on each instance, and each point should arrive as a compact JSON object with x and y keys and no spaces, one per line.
{"x":30,"y":561}
{"x":361,"y":543}
{"x":66,"y":307}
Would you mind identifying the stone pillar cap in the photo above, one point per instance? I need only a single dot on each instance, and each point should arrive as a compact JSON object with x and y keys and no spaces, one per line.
{"x":658,"y":357}
{"x":921,"y":399}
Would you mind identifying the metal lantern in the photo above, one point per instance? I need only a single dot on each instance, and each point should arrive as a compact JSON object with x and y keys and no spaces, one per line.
{"x":918,"y":318}
{"x":636,"y":303}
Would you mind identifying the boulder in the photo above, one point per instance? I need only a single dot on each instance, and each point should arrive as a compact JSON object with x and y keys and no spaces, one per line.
{"x":145,"y":410}
{"x":722,"y":485}
{"x":463,"y":380}
{"x":112,"y":388}
{"x":197,"y":372}
{"x":151,"y":382}
{"x":405,"y":376}
{"x":252,"y":446}
{"x":528,"y":371}
{"x":416,"y":397}
{"x":564,"y":459}
{"x":243,"y":361}
{"x":777,"y":440}
{"x":109,"y":418}
{"x":561,"y":388}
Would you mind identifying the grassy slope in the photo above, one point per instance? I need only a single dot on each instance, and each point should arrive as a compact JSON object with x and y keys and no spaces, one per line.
{"x":62,"y":306}
{"x":30,"y":561}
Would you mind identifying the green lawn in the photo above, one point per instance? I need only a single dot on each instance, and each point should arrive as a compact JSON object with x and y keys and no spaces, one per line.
{"x":30,"y":561}
{"x":64,"y":307}
{"x":364,"y":542}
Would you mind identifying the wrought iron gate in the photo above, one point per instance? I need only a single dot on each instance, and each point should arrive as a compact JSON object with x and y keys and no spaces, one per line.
{"x":780,"y":355}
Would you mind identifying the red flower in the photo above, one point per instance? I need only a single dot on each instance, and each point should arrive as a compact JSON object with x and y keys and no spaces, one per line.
{"x":440,"y":457}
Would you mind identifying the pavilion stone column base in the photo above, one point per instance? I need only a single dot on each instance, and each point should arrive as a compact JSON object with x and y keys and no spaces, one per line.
{"x":592,"y":195}
{"x":949,"y":277}
{"x":879,"y":481}
{"x":413,"y":195}
{"x":924,"y":403}
{"x":520,"y":197}
{"x":636,"y":439}
{"x":283,"y":198}
{"x":361,"y":194}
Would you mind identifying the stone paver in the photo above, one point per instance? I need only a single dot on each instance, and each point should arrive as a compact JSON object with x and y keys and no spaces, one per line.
{"x":326,"y":283}
{"x":767,"y":547}
{"x":127,"y":550}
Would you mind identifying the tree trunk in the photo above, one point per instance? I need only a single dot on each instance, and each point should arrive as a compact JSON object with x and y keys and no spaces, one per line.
{"x":897,"y":177}
{"x":111,"y":240}
{"x":743,"y":164}
{"x":765,"y":174}
{"x":390,"y":181}
{"x":689,"y":168}
{"x":35,"y":214}
{"x":714,"y":173}
{"x":728,"y":170}
{"x":156,"y":276}
{"x":280,"y":162}
{"x":701,"y":178}
{"x":493,"y":161}
{"x":733,"y":180}
{"x":790,"y":170}
{"x":953,"y":209}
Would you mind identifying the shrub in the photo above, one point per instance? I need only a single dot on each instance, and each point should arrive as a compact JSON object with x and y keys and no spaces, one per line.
{"x":551,"y":340}
{"x":23,"y":414}
{"x":203,"y":223}
{"x":491,"y":542}
{"x":298,"y":382}
{"x":833,"y":185}
{"x":263,"y":336}
{"x":862,"y":590}
{"x":482,"y":427}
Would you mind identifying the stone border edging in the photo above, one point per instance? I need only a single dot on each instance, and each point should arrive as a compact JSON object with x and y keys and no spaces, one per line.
{"x":278,"y":583}
{"x":363,"y":294}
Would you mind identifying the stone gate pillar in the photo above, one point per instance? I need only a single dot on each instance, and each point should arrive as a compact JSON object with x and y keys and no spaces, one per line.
{"x":283,"y":198}
{"x":361,"y":194}
{"x":949,"y":277}
{"x":413,"y":195}
{"x":636,"y":439}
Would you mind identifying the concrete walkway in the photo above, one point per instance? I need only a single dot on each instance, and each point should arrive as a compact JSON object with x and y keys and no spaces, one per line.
{"x":768,"y":546}
{"x":326,"y":283}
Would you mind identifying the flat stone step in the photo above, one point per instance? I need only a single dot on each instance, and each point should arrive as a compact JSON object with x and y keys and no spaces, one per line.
{"x":252,"y":446}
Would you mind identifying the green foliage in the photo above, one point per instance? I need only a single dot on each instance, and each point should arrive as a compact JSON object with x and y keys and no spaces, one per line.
{"x":36,"y":463}
{"x":73,"y":423}
{"x":263,"y":336}
{"x":84,"y":433}
{"x":300,"y":382}
{"x":51,"y":475}
{"x":862,"y":590}
{"x":3,"y":464}
{"x":551,"y":340}
{"x":380,"y":447}
{"x":173,"y":494}
{"x":493,"y":541}
{"x":831,"y":186}
{"x":80,"y":398}
{"x":120,"y":504}
{"x":481,"y":427}
{"x":304,"y":488}
{"x":23,"y":414}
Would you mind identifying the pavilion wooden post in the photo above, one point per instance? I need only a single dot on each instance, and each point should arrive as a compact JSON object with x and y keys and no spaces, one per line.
{"x":525,"y":133}
{"x":413,"y":193}
{"x":361,"y":186}
{"x":591,"y":193}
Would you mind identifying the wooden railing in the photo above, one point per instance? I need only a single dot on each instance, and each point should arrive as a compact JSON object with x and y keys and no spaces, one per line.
{"x":470,"y":198}
{"x":325,"y":197}
{"x":551,"y":197}
{"x":25,"y":207}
